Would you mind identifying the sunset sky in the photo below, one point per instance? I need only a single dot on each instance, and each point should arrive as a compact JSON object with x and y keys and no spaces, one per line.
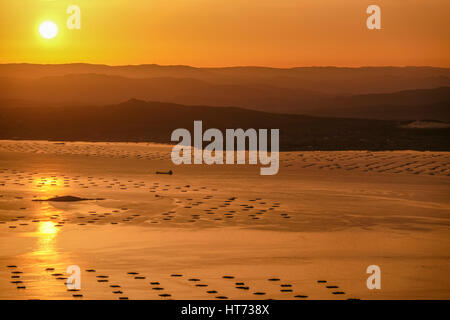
{"x":279,"y":33}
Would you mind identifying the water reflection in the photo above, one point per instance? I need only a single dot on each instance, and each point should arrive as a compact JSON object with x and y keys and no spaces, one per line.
{"x":46,"y":233}
{"x":47,"y":228}
{"x":48,"y":184}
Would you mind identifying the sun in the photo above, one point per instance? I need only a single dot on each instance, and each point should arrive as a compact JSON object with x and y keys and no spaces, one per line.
{"x":48,"y":29}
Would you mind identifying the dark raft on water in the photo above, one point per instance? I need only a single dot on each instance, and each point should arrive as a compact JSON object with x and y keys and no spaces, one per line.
{"x":67,"y":199}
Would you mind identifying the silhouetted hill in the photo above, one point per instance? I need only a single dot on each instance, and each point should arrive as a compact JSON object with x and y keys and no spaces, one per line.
{"x":105,"y":89}
{"x":406,"y":97}
{"x":91,"y":89}
{"x":424,"y":104}
{"x":137,"y":120}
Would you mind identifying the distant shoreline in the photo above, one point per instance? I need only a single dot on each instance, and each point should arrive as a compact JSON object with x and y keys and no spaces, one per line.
{"x":163,"y":144}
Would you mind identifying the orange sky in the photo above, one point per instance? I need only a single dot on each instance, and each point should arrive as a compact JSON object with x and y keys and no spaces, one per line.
{"x":280,"y":33}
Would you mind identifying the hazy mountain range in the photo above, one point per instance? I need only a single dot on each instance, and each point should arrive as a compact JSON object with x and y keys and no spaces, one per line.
{"x":409,"y":93}
{"x":332,"y":80}
{"x":318,"y":108}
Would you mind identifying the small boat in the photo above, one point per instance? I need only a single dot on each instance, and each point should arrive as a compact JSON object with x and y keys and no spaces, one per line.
{"x":162,"y":172}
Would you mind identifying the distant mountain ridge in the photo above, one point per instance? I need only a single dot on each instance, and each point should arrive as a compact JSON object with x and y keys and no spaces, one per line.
{"x":330,"y":80}
{"x":136,"y":120}
{"x":420,"y":104}
{"x":97,"y":89}
{"x":386,"y":93}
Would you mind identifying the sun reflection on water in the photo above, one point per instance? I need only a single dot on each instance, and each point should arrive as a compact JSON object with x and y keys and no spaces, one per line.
{"x":48,"y":184}
{"x":46,"y":233}
{"x":47,"y":228}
